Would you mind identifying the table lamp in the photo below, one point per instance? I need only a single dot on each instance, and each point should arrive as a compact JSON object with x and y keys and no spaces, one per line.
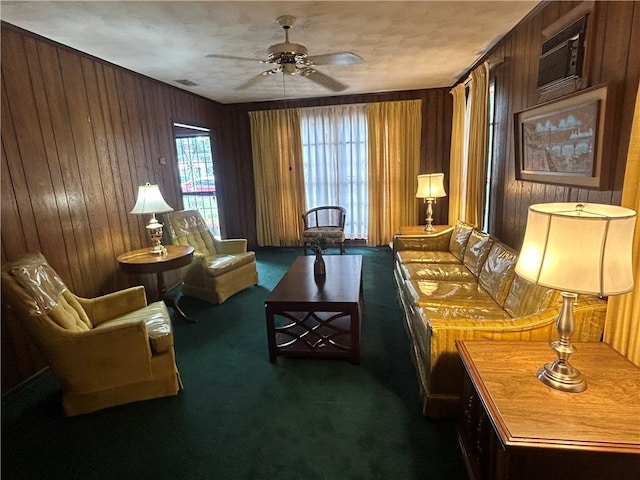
{"x":430,"y":187}
{"x":576,"y":248}
{"x":150,"y":201}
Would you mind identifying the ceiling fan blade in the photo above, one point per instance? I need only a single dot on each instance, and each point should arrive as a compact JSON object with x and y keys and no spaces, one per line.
{"x":232,"y":57}
{"x":324,"y":80}
{"x":338,"y":58}
{"x":252,"y":81}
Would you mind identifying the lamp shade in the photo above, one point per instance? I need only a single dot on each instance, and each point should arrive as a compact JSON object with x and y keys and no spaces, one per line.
{"x":431,"y":185}
{"x":150,"y":200}
{"x":579,"y":248}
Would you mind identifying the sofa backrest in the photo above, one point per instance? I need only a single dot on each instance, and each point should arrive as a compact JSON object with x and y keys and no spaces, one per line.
{"x":498,"y":271}
{"x":459,"y":238}
{"x":526,"y":298}
{"x":476,"y":251}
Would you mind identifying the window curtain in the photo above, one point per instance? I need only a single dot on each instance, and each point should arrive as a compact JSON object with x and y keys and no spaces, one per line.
{"x":334,"y":146}
{"x":278,"y":175}
{"x":394,"y":137}
{"x":457,"y":156}
{"x":469,"y":148}
{"x":622,"y":327}
{"x":476,"y":171}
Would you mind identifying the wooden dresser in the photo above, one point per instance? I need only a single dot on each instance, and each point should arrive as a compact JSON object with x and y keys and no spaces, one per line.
{"x":515,"y":427}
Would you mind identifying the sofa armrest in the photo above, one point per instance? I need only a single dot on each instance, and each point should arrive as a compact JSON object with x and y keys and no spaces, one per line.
{"x":444,"y":364}
{"x":112,"y":305}
{"x":231,"y":245}
{"x":436,"y":242}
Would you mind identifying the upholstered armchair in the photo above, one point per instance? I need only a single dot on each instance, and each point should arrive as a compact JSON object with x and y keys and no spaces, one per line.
{"x":220,"y":268}
{"x":106,"y":351}
{"x":326,"y":222}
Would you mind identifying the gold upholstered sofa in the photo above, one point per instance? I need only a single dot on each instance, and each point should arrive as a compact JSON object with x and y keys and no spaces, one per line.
{"x":460,"y":284}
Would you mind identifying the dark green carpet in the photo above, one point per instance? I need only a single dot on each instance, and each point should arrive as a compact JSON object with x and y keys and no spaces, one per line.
{"x":241,"y":417}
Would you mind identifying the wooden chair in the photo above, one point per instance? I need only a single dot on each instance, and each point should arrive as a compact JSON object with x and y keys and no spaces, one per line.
{"x":326,"y":221}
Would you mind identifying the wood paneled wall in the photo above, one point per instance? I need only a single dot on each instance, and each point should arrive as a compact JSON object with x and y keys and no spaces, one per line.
{"x":612,"y":58}
{"x":78,"y":137}
{"x":236,"y":144}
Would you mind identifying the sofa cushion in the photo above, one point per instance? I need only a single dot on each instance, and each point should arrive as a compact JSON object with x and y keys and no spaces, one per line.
{"x":220,"y":264}
{"x":435,"y":293}
{"x":425,"y":256}
{"x":459,"y":238}
{"x":526,"y":298}
{"x":498,"y":271}
{"x":437,"y":271}
{"x":469,"y":313}
{"x":476,"y":252}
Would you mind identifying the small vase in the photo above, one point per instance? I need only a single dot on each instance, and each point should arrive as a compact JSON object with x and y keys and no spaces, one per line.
{"x":319,"y":269}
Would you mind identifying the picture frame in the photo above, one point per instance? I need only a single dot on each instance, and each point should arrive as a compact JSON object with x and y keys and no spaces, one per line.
{"x":566,"y":141}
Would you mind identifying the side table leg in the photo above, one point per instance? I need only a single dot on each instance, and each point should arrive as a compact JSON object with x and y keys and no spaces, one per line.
{"x":171,"y":301}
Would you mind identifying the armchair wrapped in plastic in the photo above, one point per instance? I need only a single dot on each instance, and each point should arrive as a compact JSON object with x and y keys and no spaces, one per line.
{"x":220,"y":268}
{"x":106,"y":351}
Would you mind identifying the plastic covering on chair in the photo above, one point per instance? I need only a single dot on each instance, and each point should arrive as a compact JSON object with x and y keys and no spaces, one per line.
{"x":106,"y":351}
{"x":220,"y":268}
{"x":325,"y":222}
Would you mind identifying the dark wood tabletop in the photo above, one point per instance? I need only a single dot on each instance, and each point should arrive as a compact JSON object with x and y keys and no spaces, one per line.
{"x":341,"y":284}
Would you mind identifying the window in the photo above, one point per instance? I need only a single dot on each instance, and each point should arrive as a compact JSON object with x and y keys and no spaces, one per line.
{"x":334,"y":151}
{"x":195,"y":170}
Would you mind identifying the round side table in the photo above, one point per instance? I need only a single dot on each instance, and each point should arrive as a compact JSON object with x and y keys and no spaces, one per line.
{"x":143,"y":261}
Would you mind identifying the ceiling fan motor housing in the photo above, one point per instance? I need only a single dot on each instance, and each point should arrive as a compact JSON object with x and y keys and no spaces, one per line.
{"x":277,"y":51}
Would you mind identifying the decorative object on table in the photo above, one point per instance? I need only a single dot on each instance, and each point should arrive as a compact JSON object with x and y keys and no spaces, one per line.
{"x":318,"y":246}
{"x":566,"y":141}
{"x":430,"y":188}
{"x":150,"y":201}
{"x":576,"y":248}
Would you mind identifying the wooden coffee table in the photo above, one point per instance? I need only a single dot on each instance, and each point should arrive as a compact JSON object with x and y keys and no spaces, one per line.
{"x":311,"y":316}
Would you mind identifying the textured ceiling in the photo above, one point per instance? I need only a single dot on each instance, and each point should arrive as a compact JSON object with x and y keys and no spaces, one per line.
{"x":405,"y":45}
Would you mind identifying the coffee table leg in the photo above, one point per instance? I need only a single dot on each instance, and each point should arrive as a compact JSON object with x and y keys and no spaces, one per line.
{"x":271,"y":335}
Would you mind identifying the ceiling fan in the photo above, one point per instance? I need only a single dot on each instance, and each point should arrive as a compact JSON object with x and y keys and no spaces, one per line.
{"x":291,"y":59}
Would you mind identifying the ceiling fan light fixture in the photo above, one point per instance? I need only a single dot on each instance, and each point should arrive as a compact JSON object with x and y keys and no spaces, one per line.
{"x":289,"y":68}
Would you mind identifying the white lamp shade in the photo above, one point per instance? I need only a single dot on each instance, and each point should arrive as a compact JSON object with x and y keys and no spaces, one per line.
{"x":579,"y":248}
{"x":431,"y":185}
{"x":150,"y":200}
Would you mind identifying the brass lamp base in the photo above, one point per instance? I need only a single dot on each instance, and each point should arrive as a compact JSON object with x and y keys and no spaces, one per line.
{"x":562,"y":376}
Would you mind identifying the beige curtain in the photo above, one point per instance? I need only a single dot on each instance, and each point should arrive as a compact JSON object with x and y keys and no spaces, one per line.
{"x":278,"y":176}
{"x":394,"y":137}
{"x":622,"y":328}
{"x":476,"y":177}
{"x":457,"y":153}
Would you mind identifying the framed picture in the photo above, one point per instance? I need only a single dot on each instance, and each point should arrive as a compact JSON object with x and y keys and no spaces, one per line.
{"x":565,"y":141}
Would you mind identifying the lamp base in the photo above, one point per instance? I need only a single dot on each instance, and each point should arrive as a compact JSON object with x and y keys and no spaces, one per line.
{"x":562,"y":376}
{"x":428,"y":226}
